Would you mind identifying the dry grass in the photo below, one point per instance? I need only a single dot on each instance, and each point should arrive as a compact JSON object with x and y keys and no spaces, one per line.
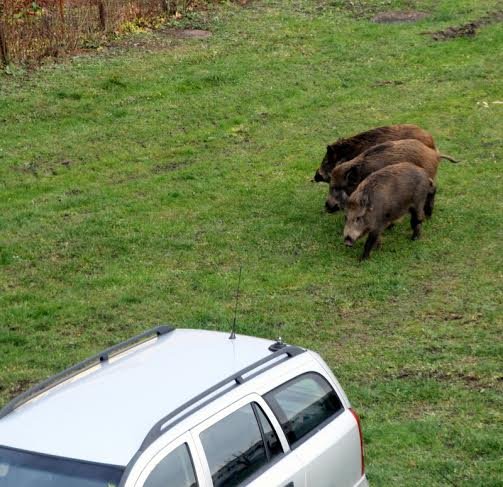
{"x":31,"y":31}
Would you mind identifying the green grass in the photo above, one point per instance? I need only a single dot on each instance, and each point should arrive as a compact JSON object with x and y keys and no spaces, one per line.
{"x":133,"y":187}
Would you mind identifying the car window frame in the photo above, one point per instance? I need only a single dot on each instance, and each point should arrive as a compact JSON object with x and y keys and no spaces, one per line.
{"x":261,"y":471}
{"x":158,"y":457}
{"x":248,"y":399}
{"x":321,"y":425}
{"x":66,"y":462}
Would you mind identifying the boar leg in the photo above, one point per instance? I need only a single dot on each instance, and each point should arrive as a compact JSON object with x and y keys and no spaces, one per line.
{"x":372,"y":241}
{"x":415,"y":223}
{"x":430,"y":202}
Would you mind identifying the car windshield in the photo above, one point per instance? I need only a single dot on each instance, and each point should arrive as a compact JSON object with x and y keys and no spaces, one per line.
{"x":26,"y":469}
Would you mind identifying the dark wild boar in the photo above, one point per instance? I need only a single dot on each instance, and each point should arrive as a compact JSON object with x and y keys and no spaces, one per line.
{"x":346,"y":149}
{"x":347,"y":176}
{"x":383,"y":198}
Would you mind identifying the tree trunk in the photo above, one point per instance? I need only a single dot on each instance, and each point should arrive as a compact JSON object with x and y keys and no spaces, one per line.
{"x":103,"y":15}
{"x":4,"y":51}
{"x":62,"y":11}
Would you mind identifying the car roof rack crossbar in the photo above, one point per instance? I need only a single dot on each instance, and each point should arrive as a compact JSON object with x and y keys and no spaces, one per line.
{"x":81,"y":367}
{"x":176,"y":416}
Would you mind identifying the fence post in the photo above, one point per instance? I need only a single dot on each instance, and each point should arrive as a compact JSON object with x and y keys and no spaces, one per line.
{"x":102,"y":14}
{"x":4,"y":51}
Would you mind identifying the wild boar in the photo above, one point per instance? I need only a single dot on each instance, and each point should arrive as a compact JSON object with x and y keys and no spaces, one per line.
{"x":384,"y":197}
{"x":347,"y":149}
{"x":347,"y":176}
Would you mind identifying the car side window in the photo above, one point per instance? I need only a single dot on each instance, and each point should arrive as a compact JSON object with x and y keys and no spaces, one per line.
{"x":175,"y":470}
{"x":302,"y":404}
{"x":235,"y":447}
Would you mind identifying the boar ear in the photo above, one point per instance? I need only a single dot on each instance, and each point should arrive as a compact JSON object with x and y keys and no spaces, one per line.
{"x":330,"y":149}
{"x":352,"y":176}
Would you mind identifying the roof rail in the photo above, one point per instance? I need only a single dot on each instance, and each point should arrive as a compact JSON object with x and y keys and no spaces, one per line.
{"x":236,"y":379}
{"x":71,"y":372}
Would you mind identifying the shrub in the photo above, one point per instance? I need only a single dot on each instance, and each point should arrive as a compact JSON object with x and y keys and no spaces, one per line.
{"x":31,"y":30}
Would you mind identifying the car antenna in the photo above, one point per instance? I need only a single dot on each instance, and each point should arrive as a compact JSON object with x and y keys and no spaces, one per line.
{"x":233,"y":332}
{"x":279,"y":344}
{"x":279,"y":325}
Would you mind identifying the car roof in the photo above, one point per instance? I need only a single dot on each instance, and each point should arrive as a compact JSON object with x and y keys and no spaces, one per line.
{"x":103,"y":414}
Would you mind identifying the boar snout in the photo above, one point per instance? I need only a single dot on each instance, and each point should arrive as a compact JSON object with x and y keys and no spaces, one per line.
{"x":351,"y":234}
{"x":331,"y":207}
{"x":318,"y":178}
{"x":349,"y":242}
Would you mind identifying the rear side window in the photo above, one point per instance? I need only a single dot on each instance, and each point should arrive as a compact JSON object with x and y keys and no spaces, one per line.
{"x":235,"y":447}
{"x":175,"y":470}
{"x":303,"y":404}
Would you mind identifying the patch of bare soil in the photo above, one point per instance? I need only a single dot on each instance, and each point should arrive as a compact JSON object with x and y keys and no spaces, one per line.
{"x":469,"y":29}
{"x":388,"y":82}
{"x":144,"y":42}
{"x":157,"y":40}
{"x":169,"y":166}
{"x":186,"y":33}
{"x":470,"y":380}
{"x":150,"y":42}
{"x":398,"y":16}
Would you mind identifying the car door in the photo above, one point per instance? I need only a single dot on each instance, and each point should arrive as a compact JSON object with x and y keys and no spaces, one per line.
{"x":319,"y":430}
{"x":243,"y":445}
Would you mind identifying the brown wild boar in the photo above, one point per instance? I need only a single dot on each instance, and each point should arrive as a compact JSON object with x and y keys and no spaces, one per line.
{"x":347,"y":176}
{"x":346,"y":149}
{"x":384,"y":197}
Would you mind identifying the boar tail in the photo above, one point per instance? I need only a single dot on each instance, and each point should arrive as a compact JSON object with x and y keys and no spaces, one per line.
{"x":449,"y":158}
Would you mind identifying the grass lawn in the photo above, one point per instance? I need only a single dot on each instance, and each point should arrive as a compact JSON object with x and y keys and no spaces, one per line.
{"x":132,"y":187}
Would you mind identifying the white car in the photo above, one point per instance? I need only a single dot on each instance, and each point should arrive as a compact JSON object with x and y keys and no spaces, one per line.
{"x":185,"y":408}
